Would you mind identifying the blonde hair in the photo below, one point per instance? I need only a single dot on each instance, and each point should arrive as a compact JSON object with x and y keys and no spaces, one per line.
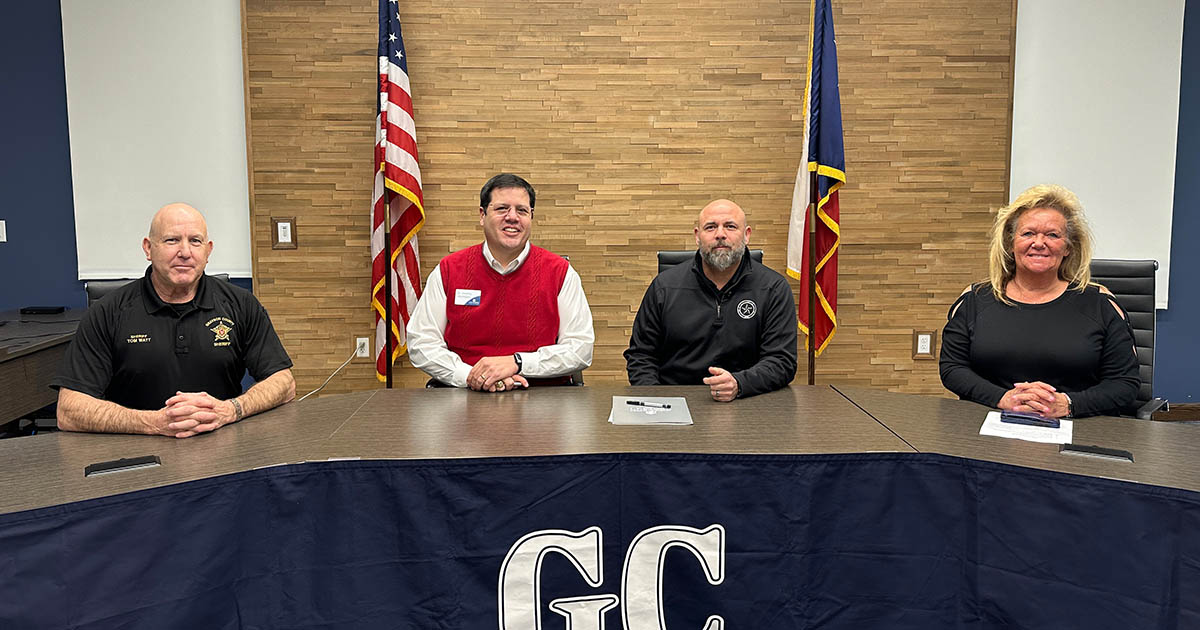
{"x":1076,"y":265}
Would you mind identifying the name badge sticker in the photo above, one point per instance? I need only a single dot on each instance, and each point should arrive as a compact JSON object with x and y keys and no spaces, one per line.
{"x":467,"y":297}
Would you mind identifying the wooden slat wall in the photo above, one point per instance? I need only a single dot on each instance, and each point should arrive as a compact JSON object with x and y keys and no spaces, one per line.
{"x":628,"y":117}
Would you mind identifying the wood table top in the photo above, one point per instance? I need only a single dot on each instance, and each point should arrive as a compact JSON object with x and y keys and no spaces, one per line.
{"x":439,"y":423}
{"x":1164,"y":453}
{"x":47,"y":469}
{"x":25,"y":334}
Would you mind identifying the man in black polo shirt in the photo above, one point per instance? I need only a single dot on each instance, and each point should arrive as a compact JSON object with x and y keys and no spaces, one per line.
{"x":165,"y":355}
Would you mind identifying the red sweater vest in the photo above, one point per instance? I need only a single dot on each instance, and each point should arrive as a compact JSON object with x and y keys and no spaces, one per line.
{"x":517,"y":312}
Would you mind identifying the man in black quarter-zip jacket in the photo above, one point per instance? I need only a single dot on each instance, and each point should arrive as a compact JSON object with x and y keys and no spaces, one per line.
{"x":722,"y":320}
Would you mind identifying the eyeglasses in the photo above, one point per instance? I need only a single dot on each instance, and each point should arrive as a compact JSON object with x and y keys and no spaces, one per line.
{"x":503,"y":210}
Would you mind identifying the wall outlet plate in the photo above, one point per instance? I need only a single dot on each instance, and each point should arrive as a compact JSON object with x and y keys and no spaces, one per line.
{"x":362,"y":348}
{"x":923,"y":341}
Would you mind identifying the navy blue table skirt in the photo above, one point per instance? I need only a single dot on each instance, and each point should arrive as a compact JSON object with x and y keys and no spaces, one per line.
{"x":839,"y":541}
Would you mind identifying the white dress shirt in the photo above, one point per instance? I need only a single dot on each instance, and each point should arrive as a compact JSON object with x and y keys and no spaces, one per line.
{"x":572,"y":351}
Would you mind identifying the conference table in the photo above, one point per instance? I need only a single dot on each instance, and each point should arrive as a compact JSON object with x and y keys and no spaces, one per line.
{"x":821,"y":507}
{"x":1164,"y":453}
{"x":436,"y":423}
{"x":31,"y":349}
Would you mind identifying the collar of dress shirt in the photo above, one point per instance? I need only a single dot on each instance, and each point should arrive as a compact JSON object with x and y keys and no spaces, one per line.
{"x":512,"y":266}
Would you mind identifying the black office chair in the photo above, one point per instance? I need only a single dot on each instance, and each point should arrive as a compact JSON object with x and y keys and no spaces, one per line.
{"x":1132,"y":283}
{"x":97,"y":289}
{"x":670,"y":258}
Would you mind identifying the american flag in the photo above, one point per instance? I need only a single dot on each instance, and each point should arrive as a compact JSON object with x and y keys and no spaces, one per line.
{"x":398,"y":203}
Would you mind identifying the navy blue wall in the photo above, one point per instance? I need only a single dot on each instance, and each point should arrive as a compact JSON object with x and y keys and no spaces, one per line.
{"x":1178,"y":344}
{"x":38,"y":263}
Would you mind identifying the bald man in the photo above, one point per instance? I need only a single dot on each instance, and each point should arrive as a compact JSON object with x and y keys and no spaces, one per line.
{"x":165,"y":355}
{"x":722,"y":320}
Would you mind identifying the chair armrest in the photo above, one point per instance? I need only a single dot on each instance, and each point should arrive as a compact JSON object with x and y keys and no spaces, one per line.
{"x":1147,"y":410}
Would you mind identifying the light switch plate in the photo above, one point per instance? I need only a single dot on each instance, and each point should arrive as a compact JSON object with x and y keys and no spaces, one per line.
{"x":3,"y":232}
{"x":283,"y":233}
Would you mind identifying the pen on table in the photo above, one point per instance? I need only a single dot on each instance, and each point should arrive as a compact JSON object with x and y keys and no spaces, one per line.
{"x":639,"y":403}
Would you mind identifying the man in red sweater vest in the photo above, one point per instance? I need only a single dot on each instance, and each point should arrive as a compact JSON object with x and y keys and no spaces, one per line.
{"x":503,"y":314}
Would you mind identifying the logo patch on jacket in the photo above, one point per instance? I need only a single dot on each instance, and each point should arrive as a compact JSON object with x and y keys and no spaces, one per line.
{"x":221,"y":327}
{"x":746,"y":309}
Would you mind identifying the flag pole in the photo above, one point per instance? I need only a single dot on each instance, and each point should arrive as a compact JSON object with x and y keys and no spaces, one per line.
{"x":812,"y":278}
{"x":387,"y":287}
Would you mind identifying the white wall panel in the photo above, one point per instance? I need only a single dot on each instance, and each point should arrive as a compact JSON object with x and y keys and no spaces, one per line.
{"x":156,"y":115}
{"x":1096,"y":109}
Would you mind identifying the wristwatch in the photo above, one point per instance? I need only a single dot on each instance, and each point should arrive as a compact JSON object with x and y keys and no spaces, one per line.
{"x":517,"y":358}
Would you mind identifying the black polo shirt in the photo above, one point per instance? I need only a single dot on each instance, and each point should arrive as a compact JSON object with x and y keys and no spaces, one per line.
{"x":137,"y":351}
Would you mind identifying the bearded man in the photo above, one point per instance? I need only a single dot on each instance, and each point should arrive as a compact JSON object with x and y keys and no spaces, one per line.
{"x":723,"y":320}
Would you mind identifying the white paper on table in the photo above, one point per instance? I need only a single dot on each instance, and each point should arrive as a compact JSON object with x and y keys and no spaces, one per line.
{"x":1046,"y":435}
{"x":660,"y":410}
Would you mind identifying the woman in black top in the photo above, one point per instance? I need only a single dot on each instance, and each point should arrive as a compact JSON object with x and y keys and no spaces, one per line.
{"x":1039,"y":336}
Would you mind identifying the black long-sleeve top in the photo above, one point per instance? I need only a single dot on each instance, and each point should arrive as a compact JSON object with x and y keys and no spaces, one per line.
{"x":684,"y":325}
{"x":1078,"y":343}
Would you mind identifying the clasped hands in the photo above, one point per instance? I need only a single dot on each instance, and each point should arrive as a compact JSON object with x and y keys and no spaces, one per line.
{"x":192,"y":413}
{"x":1036,"y":397}
{"x":496,"y":374}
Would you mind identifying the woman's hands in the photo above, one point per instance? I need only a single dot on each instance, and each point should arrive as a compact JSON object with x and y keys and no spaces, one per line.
{"x":1036,"y":397}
